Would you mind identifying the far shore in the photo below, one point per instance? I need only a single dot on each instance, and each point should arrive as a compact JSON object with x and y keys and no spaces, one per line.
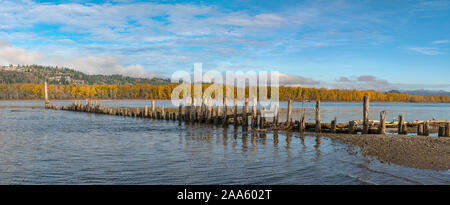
{"x":313,"y":101}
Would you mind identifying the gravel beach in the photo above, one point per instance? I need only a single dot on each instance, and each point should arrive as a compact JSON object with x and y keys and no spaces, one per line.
{"x":407,"y":150}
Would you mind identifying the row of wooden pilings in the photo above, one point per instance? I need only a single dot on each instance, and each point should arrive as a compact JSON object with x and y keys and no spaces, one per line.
{"x":255,"y":118}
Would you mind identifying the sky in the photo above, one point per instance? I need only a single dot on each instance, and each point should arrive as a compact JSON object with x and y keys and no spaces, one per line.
{"x":378,"y":45}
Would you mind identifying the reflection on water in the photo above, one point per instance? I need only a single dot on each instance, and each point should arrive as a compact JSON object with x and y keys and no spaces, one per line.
{"x":59,"y":147}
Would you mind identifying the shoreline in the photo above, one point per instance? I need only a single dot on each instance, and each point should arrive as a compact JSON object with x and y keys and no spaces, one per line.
{"x":421,"y":152}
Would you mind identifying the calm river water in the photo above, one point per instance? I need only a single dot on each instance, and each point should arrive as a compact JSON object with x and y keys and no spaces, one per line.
{"x":40,"y":146}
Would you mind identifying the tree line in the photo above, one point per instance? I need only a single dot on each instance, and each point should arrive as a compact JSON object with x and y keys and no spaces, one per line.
{"x":163,"y":92}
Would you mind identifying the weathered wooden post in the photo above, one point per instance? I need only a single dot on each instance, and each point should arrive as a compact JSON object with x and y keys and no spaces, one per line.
{"x":276,"y":114}
{"x":153,"y":109}
{"x":194,"y":110}
{"x":289,"y":113}
{"x":198,"y":109}
{"x":210,"y":112}
{"x":351,"y":127}
{"x":188,"y":110}
{"x":420,"y":129}
{"x":204,"y":111}
{"x":218,"y":113}
{"x":302,"y":118}
{"x":245,"y":113}
{"x":366,"y":115}
{"x":262,"y":119}
{"x":225,"y":112}
{"x":401,"y":121}
{"x":255,"y":113}
{"x":163,"y":113}
{"x":180,"y":114}
{"x":146,"y":111}
{"x":426,"y":129}
{"x":447,"y":130}
{"x":235,"y":112}
{"x":441,"y":131}
{"x":318,"y":126}
{"x":382,"y":125}
{"x":47,"y":102}
{"x":137,"y":112}
{"x":405,"y":128}
{"x":333,"y":125}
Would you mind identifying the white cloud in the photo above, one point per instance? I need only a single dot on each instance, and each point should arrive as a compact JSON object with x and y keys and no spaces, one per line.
{"x":426,"y":50}
{"x":441,"y":41}
{"x":10,"y":54}
{"x":362,"y":82}
{"x":108,"y":65}
{"x":294,"y":80}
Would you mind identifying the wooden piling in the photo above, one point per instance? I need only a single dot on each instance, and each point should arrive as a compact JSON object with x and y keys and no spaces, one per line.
{"x":262,"y":119}
{"x":382,"y":125}
{"x":420,"y":129}
{"x":401,"y":121}
{"x":217,"y":116}
{"x":137,"y":112}
{"x":186,"y":113}
{"x":276,"y":115}
{"x":447,"y":130}
{"x":225,"y":113}
{"x":351,"y":127}
{"x":333,"y":125}
{"x":426,"y":129}
{"x":180,"y":114}
{"x":366,"y":115}
{"x":153,"y":109}
{"x":163,"y":113}
{"x":302,"y":118}
{"x":245,"y":112}
{"x":194,"y":110}
{"x":254,"y":113}
{"x":289,"y":113}
{"x":318,"y":126}
{"x":209,"y":113}
{"x":197,"y":112}
{"x":441,"y":131}
{"x":235,"y":112}
{"x":204,"y":112}
{"x":47,"y":102}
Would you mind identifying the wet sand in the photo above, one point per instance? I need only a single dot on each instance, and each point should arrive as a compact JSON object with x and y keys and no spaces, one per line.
{"x":407,"y":150}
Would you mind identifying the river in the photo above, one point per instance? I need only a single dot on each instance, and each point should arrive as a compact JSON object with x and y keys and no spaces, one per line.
{"x":39,"y":146}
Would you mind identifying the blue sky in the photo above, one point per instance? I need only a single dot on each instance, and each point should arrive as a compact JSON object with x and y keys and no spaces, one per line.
{"x":378,"y":45}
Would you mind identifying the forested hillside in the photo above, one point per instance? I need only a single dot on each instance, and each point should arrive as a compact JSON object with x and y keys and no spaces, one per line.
{"x":64,"y":76}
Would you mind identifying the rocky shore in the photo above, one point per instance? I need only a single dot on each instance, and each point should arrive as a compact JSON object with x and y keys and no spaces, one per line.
{"x":423,"y":152}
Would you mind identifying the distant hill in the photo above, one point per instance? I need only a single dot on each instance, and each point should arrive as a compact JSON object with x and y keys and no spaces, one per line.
{"x":422,"y":92}
{"x":55,"y":75}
